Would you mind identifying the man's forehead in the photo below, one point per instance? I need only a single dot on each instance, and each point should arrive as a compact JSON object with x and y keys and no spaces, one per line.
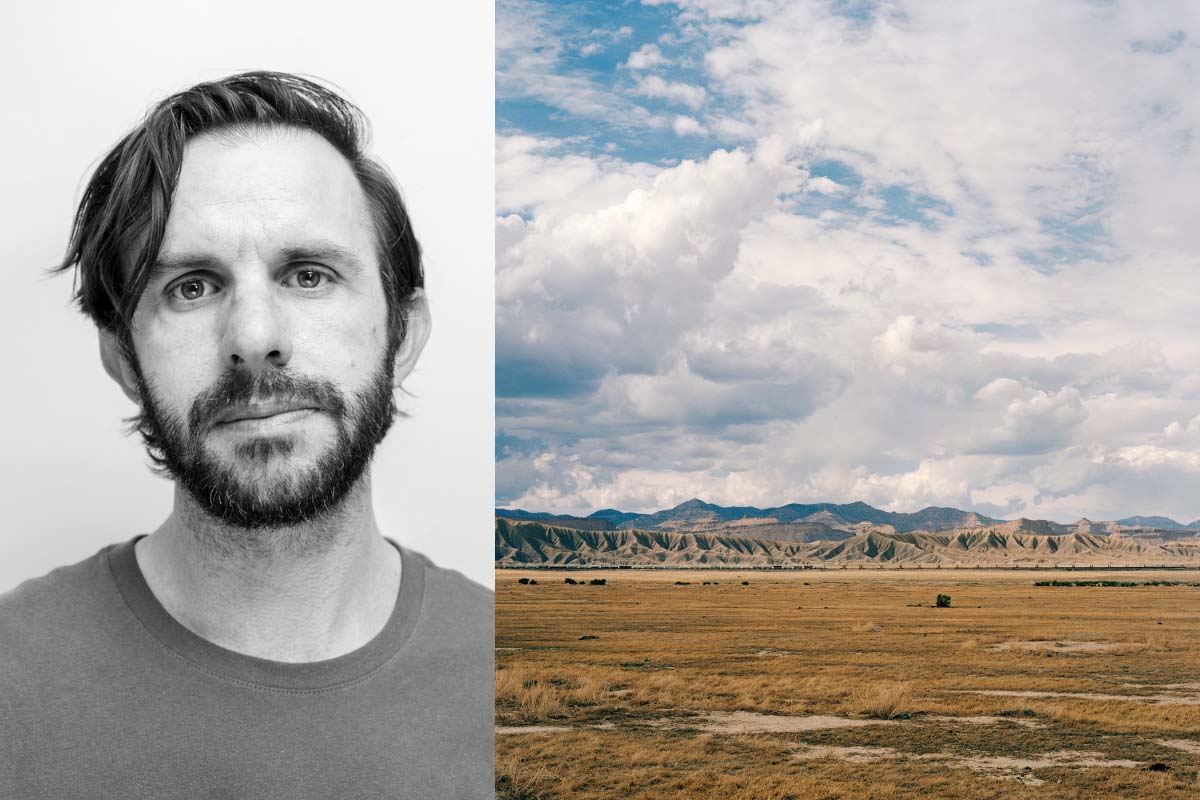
{"x":264,"y":187}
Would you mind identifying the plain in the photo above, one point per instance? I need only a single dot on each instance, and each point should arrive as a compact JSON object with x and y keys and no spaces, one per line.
{"x":847,"y":683}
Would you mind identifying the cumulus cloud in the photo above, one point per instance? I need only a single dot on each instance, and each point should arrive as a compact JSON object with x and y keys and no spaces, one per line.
{"x":646,"y":57}
{"x":1033,"y":421}
{"x":542,"y":177}
{"x":910,"y":345}
{"x":673,"y":91}
{"x":684,"y":126}
{"x":823,"y":185}
{"x":612,"y":288}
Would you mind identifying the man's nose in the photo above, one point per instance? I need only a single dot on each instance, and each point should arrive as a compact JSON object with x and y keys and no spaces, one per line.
{"x":257,"y":334}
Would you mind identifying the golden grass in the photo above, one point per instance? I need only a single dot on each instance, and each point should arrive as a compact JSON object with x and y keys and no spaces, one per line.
{"x":540,"y":696}
{"x":866,"y":646}
{"x":883,"y":700}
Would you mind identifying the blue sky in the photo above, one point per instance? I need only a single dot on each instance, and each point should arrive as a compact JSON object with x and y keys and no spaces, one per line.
{"x":593,"y":42}
{"x":911,"y":253}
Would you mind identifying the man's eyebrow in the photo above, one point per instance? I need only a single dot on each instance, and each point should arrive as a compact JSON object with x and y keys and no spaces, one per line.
{"x":315,"y":250}
{"x":168,"y":263}
{"x":323,"y":250}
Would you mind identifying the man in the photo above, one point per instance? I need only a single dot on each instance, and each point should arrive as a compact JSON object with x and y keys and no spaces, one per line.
{"x":258,"y":293}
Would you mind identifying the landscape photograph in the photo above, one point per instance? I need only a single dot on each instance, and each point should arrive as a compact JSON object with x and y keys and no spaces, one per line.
{"x":847,"y":400}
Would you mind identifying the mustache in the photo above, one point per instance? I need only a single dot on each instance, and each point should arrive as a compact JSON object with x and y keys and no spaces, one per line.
{"x":241,"y":387}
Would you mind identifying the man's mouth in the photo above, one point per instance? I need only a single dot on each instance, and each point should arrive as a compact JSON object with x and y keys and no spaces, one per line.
{"x":273,"y":411}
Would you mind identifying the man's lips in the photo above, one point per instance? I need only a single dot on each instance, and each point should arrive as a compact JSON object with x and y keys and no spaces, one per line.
{"x":264,"y":411}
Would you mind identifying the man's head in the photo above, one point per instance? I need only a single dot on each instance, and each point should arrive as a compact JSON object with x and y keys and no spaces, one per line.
{"x":258,"y":290}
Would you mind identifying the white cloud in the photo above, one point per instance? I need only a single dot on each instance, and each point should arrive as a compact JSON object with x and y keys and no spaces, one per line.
{"x":823,"y":185}
{"x":613,"y":286}
{"x":911,"y":346}
{"x":646,"y":57}
{"x":1147,"y":456}
{"x":681,"y":93}
{"x":1033,"y":421}
{"x":541,"y":175}
{"x":1017,"y":114}
{"x":1001,"y":389}
{"x":687,"y":126}
{"x":929,"y":484}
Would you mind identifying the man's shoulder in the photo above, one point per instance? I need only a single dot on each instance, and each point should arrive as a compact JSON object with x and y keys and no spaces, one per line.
{"x":458,"y":607}
{"x":445,"y":579}
{"x":57,"y":609}
{"x":42,"y":606}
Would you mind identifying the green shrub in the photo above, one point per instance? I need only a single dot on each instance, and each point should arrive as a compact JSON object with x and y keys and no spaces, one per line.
{"x":943,"y":601}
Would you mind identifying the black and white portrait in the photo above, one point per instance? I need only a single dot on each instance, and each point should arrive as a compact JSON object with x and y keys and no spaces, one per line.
{"x":248,"y":442}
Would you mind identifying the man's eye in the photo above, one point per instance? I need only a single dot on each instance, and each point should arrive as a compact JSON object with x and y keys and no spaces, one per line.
{"x":192,"y":289}
{"x":309,"y":278}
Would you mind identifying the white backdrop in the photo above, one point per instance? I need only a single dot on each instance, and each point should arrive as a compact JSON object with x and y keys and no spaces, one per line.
{"x":79,"y":75}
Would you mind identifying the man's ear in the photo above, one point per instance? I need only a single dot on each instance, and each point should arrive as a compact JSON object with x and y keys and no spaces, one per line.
{"x":117,"y":367}
{"x":417,"y":327}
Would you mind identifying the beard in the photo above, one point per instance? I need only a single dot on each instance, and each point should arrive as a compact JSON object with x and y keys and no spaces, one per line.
{"x":222,"y":486}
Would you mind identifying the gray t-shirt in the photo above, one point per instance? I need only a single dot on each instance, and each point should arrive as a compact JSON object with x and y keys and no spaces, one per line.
{"x":104,"y":694}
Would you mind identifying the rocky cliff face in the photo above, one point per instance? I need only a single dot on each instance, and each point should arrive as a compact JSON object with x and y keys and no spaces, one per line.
{"x":535,"y":543}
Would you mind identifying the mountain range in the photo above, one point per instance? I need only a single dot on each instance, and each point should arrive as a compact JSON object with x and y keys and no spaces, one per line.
{"x":699,"y":533}
{"x":1158,"y":522}
{"x":697,"y":515}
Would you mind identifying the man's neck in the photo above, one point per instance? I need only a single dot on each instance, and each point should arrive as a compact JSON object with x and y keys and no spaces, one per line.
{"x":310,"y":593}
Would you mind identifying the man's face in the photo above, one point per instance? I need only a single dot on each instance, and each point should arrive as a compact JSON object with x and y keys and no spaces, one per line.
{"x":261,"y":339}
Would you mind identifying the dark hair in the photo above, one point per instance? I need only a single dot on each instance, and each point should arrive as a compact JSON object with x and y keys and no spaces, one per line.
{"x":123,"y":213}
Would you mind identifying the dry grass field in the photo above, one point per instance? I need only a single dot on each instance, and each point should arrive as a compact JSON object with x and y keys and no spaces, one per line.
{"x":846,"y":684}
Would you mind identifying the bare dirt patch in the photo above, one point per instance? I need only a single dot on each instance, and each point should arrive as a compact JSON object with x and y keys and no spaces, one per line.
{"x":1168,"y":686}
{"x":1004,"y":767}
{"x":749,"y":722}
{"x":1017,"y":768}
{"x":510,"y":730}
{"x":1186,"y":745}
